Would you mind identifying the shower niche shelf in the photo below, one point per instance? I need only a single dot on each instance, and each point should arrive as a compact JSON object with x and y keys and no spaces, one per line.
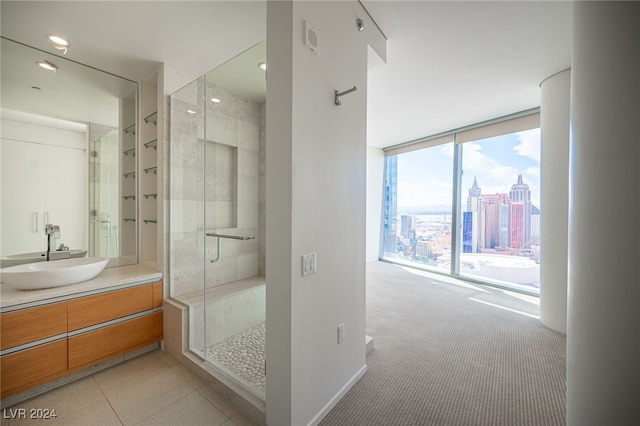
{"x":131,"y":151}
{"x":128,"y":197}
{"x":154,"y":196}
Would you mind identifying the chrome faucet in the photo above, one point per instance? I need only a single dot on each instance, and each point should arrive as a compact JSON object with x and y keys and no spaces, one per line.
{"x":53,"y":233}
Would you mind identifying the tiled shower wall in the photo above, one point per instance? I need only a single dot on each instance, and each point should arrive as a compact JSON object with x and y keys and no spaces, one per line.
{"x":219,"y":177}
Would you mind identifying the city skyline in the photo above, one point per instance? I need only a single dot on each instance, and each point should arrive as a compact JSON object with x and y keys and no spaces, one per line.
{"x":499,"y":221}
{"x":498,"y":207}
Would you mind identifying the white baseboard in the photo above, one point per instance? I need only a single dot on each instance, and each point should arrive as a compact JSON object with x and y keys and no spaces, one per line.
{"x":337,"y":397}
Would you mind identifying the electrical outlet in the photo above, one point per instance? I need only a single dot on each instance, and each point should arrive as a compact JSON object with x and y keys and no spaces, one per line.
{"x":341,"y":333}
{"x":308,"y":264}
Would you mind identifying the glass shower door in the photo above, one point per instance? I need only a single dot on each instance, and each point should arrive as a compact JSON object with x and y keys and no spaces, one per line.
{"x":235,"y":296}
{"x":217,"y":221}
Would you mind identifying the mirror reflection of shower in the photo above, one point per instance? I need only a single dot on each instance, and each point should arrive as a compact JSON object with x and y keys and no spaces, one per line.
{"x":105,"y":209}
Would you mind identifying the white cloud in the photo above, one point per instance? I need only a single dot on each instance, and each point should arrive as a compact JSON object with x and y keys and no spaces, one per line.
{"x":529,"y":144}
{"x":473,"y":160}
{"x":447,"y":150}
{"x":533,"y":171}
{"x":506,"y":174}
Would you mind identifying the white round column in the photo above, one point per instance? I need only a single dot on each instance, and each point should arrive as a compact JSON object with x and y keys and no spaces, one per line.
{"x":603,"y":323}
{"x":554,"y":221}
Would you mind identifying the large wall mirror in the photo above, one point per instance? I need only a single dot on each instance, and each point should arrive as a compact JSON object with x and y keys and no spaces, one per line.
{"x":67,"y":158}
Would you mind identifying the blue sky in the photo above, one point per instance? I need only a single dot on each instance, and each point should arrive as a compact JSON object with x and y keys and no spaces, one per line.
{"x":425,"y":177}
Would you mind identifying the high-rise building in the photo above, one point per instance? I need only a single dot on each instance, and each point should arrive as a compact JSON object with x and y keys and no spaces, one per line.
{"x":423,"y":249}
{"x":390,"y":232}
{"x":516,"y":225}
{"x":535,"y":225}
{"x":504,"y":224}
{"x":467,"y":232}
{"x":520,"y":215}
{"x":407,"y":224}
{"x":474,"y":206}
{"x":492,"y":204}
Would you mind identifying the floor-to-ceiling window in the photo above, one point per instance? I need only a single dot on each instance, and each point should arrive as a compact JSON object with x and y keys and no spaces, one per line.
{"x":418,"y":208}
{"x":469,"y":208}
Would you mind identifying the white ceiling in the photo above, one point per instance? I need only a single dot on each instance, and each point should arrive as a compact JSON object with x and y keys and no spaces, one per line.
{"x":452,"y":64}
{"x":449,"y":64}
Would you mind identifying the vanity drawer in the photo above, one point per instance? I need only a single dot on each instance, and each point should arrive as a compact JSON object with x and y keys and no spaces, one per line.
{"x":104,"y":343}
{"x":158,"y":324}
{"x":157,"y":294}
{"x":31,"y":365}
{"x":29,"y":325}
{"x":92,"y":310}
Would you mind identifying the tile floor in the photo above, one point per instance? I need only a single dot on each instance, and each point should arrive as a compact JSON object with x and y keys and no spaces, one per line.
{"x":152,"y":389}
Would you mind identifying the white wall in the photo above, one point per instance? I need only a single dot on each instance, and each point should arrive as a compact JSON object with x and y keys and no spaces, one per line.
{"x":554,"y":127}
{"x":316,"y":202}
{"x":603,"y":319}
{"x":44,"y":171}
{"x":375,"y":180}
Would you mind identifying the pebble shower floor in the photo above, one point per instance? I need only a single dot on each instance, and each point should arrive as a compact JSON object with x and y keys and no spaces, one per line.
{"x":244,"y":355}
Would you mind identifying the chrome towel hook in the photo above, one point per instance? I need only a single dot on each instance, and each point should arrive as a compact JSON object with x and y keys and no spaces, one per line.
{"x":346,"y":92}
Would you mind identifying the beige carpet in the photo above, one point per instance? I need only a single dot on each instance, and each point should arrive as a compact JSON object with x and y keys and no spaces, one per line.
{"x":448,"y":354}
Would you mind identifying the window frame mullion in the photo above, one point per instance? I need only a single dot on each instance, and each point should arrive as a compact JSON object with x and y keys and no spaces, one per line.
{"x":456,"y":209}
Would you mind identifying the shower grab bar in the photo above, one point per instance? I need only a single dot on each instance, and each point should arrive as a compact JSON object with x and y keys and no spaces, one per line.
{"x":232,"y":237}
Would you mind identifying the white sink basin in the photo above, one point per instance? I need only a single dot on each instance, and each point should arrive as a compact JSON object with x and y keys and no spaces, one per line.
{"x":56,"y":273}
{"x":38,"y":256}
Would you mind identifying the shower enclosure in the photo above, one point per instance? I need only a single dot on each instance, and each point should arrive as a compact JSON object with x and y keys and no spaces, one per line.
{"x":217,"y":219}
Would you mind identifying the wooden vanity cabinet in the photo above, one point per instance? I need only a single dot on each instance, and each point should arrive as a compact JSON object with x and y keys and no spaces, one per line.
{"x":92,"y":310}
{"x":30,"y":325}
{"x":33,"y":366}
{"x":39,"y":362}
{"x":64,"y":337}
{"x":99,"y":345}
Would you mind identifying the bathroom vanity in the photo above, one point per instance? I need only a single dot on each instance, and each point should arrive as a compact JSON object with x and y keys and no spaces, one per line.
{"x":48,"y":334}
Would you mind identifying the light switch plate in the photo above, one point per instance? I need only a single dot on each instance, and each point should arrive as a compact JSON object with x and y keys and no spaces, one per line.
{"x":308,"y":264}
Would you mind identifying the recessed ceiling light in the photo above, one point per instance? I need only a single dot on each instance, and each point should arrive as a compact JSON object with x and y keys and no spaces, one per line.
{"x":215,"y":100}
{"x":190,"y":111}
{"x":263,"y":66}
{"x":59,"y":43}
{"x":48,"y":66}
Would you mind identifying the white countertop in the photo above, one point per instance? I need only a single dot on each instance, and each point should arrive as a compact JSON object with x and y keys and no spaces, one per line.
{"x":110,"y":277}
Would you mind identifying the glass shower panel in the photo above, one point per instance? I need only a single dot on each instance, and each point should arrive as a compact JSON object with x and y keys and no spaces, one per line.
{"x":235,"y":95}
{"x":217,"y":225}
{"x":186,"y":189}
